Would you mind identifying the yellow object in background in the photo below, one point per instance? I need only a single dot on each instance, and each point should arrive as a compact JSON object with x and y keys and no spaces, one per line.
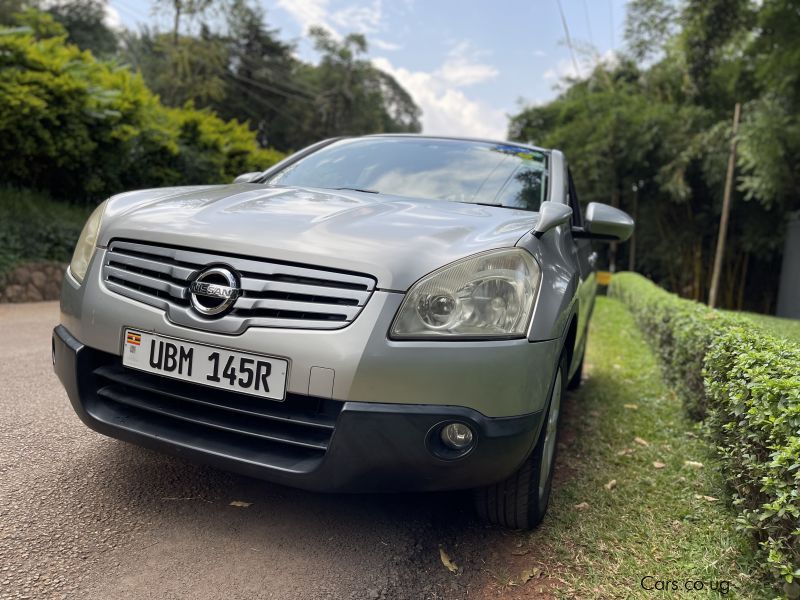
{"x":604,"y":277}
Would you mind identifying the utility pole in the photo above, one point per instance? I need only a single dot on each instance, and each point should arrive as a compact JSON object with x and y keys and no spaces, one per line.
{"x":726,"y":209}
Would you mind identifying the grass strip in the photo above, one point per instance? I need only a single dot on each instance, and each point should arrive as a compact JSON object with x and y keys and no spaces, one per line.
{"x":638,"y":492}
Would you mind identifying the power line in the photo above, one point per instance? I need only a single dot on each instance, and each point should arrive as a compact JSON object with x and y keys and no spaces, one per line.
{"x":267,"y":88}
{"x":127,"y":9}
{"x":280,"y":88}
{"x":263,"y":101}
{"x":569,"y":39}
{"x":284,"y":88}
{"x":588,"y":22}
{"x":296,"y":88}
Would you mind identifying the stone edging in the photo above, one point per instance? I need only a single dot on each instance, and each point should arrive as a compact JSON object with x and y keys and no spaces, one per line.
{"x":32,"y":282}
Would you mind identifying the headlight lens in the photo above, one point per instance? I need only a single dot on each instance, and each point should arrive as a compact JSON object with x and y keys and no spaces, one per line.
{"x":84,"y":249}
{"x":487,"y":295}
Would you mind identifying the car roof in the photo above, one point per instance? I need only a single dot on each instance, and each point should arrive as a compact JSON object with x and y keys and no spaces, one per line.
{"x":454,"y":138}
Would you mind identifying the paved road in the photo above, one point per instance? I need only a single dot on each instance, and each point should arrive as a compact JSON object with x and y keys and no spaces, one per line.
{"x":85,"y":516}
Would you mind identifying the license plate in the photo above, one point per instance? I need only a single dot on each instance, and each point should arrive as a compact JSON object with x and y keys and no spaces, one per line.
{"x":230,"y":370}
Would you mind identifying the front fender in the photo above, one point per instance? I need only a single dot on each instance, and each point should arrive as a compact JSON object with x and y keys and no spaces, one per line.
{"x":558,"y":293}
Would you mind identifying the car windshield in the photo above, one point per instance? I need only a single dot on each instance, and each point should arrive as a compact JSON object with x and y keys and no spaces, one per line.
{"x":436,"y":169}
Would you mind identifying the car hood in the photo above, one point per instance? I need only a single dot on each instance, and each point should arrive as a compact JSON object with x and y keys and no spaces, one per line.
{"x":397,"y":240}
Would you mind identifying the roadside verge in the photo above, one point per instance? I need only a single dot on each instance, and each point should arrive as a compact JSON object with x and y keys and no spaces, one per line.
{"x":638,"y":505}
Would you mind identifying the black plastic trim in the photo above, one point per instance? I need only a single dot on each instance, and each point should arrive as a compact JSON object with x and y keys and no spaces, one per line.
{"x":372,"y":446}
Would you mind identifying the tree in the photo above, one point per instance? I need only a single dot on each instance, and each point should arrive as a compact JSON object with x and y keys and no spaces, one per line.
{"x":354,"y":97}
{"x":180,"y":9}
{"x":189,"y":70}
{"x":770,"y":138}
{"x":84,"y":21}
{"x":10,"y":8}
{"x":712,"y":36}
{"x":242,"y":70}
{"x":663,"y":131}
{"x":263,"y":80}
{"x":649,"y":24}
{"x":617,"y":140}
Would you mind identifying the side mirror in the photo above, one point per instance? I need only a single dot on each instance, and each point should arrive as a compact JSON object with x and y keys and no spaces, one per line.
{"x":604,"y":222}
{"x":248,"y":177}
{"x":551,"y":214}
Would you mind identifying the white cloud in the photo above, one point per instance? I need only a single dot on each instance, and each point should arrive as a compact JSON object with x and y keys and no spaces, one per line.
{"x":362,"y":19}
{"x":565,"y":68}
{"x":461,"y":68}
{"x":384,"y":45}
{"x":111,"y":17}
{"x":610,"y":58}
{"x":539,"y":53}
{"x":446,"y":110}
{"x":358,"y":19}
{"x":307,"y":12}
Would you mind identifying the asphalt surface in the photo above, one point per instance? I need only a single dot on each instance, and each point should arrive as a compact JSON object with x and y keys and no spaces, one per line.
{"x":85,"y":516}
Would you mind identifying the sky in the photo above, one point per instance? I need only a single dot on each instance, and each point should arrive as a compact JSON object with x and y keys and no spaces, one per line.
{"x":468,"y":64}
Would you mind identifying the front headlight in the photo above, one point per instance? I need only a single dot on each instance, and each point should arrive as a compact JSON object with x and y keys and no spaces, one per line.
{"x":487,"y":295}
{"x":84,"y":249}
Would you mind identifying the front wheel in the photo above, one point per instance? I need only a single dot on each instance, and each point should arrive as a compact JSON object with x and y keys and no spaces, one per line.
{"x":520,"y":502}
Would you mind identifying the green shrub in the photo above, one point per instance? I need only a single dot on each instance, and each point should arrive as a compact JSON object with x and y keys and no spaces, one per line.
{"x":753,"y":384}
{"x":33,"y":227}
{"x":83,"y":129}
{"x":681,"y":331}
{"x":211,"y":150}
{"x":746,"y":384}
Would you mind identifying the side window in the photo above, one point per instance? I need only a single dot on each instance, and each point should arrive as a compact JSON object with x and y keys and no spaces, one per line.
{"x":574,"y":202}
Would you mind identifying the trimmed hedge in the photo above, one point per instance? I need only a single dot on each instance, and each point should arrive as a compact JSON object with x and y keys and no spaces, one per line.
{"x":753,"y":384}
{"x":745,"y":383}
{"x":680,"y":331}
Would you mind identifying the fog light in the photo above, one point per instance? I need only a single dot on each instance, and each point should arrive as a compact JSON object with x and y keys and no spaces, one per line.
{"x":456,"y":436}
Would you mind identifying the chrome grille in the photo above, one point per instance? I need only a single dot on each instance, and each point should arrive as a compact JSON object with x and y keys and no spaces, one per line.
{"x":273,"y":294}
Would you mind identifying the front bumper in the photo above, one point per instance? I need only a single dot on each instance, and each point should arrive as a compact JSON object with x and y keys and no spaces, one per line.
{"x":306,"y":442}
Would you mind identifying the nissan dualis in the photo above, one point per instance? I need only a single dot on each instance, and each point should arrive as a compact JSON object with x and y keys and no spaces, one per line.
{"x":377,"y":313}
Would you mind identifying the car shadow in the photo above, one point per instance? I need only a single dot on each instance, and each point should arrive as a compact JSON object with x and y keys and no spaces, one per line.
{"x":180,"y":516}
{"x":166,"y":515}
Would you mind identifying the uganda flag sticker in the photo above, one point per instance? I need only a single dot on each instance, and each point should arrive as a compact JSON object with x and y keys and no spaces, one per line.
{"x":134,"y":339}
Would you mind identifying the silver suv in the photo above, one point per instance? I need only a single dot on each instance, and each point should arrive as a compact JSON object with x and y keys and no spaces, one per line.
{"x":378,"y":313}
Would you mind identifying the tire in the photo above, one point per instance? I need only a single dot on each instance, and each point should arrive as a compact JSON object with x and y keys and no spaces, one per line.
{"x":577,"y":377}
{"x":520,"y":502}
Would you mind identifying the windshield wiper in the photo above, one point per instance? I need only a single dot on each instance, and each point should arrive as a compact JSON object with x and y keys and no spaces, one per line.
{"x":355,"y":189}
{"x":489,"y":204}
